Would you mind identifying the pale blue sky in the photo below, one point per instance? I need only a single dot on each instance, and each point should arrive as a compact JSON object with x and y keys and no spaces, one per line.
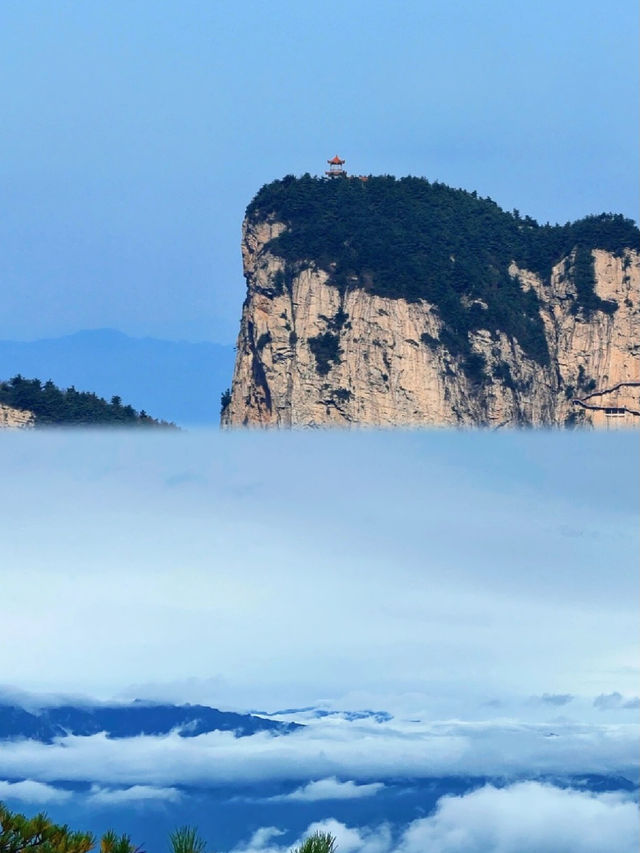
{"x":135,"y":133}
{"x":267,"y":569}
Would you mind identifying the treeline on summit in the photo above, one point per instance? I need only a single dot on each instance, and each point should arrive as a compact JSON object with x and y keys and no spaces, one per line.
{"x":53,"y":406}
{"x":412,"y":239}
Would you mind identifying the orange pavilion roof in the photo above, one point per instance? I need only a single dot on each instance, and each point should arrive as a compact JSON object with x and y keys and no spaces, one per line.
{"x":335,"y":161}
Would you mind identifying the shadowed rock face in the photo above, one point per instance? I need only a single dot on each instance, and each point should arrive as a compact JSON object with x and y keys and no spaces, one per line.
{"x":313,"y":354}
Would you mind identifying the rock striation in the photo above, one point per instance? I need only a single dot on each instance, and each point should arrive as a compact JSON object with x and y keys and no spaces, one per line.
{"x":311,"y":353}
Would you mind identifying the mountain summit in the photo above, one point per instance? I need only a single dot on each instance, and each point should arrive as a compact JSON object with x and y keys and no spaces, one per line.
{"x":388,"y":301}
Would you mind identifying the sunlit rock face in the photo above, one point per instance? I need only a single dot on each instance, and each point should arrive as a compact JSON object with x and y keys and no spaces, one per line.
{"x":15,"y":418}
{"x":312,"y":354}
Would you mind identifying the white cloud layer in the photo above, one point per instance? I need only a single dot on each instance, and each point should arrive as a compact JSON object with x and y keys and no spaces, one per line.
{"x":135,"y":794}
{"x":527,"y":817}
{"x":30,"y":791}
{"x":364,"y":750}
{"x":331,"y":789}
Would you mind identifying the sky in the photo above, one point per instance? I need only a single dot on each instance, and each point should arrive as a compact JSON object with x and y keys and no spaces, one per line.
{"x":135,"y":133}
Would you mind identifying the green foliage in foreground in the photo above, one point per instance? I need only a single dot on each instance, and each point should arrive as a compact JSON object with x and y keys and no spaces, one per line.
{"x":53,"y":406}
{"x":113,"y":843}
{"x":19,"y":834}
{"x":412,"y":239}
{"x":319,"y":842}
{"x":185,"y":839}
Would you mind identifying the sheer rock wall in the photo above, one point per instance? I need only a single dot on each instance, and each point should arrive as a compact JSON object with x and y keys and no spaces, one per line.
{"x":384,"y":365}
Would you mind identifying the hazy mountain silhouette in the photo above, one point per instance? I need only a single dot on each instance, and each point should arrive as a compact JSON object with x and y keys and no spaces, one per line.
{"x":120,"y":721}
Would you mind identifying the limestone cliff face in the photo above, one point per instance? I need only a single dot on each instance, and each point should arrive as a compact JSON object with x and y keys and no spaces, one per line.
{"x":310,"y":354}
{"x":15,"y":418}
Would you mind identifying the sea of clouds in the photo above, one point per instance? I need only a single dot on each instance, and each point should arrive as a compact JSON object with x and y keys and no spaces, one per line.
{"x":526,"y":817}
{"x":477,"y":593}
{"x":334,"y":754}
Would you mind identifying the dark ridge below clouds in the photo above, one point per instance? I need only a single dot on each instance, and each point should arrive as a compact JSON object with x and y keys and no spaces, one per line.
{"x":125,"y":721}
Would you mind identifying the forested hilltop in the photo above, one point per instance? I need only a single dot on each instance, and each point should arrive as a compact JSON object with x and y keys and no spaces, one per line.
{"x":53,"y":406}
{"x":401,"y":302}
{"x":412,"y":239}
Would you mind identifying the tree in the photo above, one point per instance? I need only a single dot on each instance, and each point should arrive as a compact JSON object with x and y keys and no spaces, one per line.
{"x":51,"y":405}
{"x":19,"y":833}
{"x":319,"y":842}
{"x":185,"y":839}
{"x":112,"y":843}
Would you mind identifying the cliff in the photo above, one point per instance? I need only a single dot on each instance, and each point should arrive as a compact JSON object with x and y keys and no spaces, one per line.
{"x":407,"y":303}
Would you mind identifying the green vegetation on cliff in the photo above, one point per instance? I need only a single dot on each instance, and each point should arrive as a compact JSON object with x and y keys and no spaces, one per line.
{"x":53,"y":406}
{"x":412,"y":239}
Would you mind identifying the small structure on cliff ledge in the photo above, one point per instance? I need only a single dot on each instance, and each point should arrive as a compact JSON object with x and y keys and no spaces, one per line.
{"x":335,"y":168}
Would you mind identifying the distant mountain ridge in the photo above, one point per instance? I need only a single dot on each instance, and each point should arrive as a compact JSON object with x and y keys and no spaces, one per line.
{"x":176,"y":381}
{"x":124,"y":721}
